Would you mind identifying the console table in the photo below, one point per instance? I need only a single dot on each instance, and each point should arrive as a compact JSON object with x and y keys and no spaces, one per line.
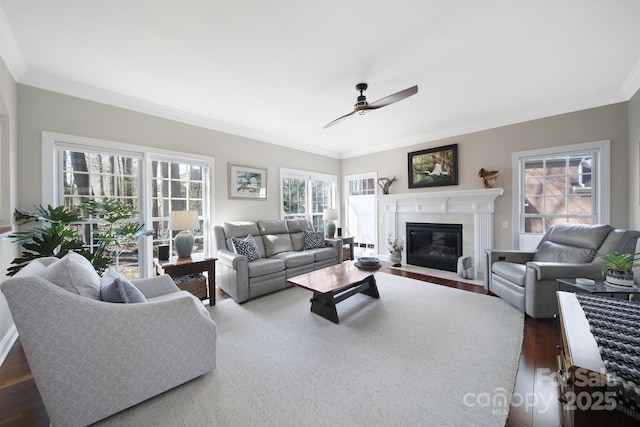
{"x":197,"y":263}
{"x":585,"y":398}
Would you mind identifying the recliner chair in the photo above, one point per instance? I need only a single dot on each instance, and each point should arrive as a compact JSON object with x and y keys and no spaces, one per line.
{"x":527,"y":279}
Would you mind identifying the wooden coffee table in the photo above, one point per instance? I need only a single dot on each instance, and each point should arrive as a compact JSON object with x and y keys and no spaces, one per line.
{"x":333,"y":284}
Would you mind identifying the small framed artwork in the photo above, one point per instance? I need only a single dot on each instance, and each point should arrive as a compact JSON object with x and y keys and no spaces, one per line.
{"x":247,"y":182}
{"x":433,"y":167}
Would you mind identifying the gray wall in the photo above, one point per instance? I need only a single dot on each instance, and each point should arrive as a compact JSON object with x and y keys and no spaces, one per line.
{"x":41,"y":110}
{"x":492,"y":149}
{"x":8,"y":185}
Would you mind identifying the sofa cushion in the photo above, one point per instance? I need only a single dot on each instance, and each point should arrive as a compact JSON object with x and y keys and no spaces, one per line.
{"x":34,"y":268}
{"x":296,"y":230}
{"x":295,"y":259}
{"x":513,"y":272}
{"x":74,"y":273}
{"x":313,"y":239}
{"x":114,"y":287}
{"x":584,"y":236}
{"x":246,"y":247}
{"x":263,"y":266}
{"x":276,"y":243}
{"x":556,"y":252}
{"x":321,"y":254}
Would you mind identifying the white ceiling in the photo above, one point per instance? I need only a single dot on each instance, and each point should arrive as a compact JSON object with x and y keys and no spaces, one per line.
{"x":279,"y":70}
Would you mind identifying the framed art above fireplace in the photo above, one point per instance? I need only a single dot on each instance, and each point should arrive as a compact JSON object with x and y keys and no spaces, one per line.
{"x":433,"y":167}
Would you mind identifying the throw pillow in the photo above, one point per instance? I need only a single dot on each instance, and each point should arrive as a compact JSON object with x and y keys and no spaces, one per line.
{"x":246,"y":247}
{"x":74,"y":273}
{"x":313,"y":239}
{"x":34,"y":268}
{"x":114,"y":287}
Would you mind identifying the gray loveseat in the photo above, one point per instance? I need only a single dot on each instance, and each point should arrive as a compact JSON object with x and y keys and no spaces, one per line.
{"x":527,"y":279}
{"x":281,"y":246}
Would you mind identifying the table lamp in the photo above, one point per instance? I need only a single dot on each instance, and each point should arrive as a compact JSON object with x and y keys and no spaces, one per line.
{"x":184,"y":221}
{"x":330,"y":215}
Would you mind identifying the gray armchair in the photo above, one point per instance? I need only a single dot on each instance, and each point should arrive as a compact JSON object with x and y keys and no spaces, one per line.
{"x":91,"y":359}
{"x":527,"y":279}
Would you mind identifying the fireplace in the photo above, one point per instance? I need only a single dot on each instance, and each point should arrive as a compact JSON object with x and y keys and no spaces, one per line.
{"x":434,"y":245}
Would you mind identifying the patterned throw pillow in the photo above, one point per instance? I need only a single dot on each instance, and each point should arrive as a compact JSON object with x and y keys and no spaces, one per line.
{"x":246,"y":247}
{"x":313,"y":239}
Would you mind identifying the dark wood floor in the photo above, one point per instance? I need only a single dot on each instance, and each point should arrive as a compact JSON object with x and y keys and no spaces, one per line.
{"x":20,"y":403}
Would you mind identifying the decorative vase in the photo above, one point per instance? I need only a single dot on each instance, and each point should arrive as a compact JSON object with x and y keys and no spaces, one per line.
{"x":396,"y":258}
{"x":619,"y":278}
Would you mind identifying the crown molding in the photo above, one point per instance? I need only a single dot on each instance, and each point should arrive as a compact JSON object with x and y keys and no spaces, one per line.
{"x":631,"y":85}
{"x":66,"y":87}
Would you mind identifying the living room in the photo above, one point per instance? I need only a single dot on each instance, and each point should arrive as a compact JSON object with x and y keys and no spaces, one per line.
{"x":30,"y":107}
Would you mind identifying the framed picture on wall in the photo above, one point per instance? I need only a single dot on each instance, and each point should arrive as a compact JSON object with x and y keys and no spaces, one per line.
{"x":247,"y":182}
{"x":433,"y":167}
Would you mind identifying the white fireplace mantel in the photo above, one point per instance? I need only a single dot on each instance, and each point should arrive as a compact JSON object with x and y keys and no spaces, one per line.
{"x":479,"y":203}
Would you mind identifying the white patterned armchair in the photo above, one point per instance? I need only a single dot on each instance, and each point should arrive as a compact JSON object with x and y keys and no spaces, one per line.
{"x":91,"y":359}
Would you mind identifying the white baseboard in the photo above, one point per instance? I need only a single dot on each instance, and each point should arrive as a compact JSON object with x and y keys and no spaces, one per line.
{"x":7,"y":342}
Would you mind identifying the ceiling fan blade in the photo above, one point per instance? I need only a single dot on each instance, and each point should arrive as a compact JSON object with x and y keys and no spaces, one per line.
{"x":398,"y":96}
{"x":339,"y":119}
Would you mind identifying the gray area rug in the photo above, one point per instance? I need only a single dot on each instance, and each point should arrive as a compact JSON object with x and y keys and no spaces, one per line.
{"x":422,"y":354}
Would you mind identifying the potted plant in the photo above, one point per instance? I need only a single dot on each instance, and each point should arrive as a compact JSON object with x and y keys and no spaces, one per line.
{"x":59,"y":233}
{"x":617,"y":268}
{"x":395,"y":248}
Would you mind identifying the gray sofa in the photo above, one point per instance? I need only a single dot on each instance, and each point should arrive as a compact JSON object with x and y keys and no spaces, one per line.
{"x":527,"y":279}
{"x":281,"y":245}
{"x":90,"y":358}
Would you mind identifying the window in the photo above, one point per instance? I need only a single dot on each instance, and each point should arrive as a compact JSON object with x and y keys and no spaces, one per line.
{"x":307,"y":195}
{"x":152,"y":183}
{"x":564,"y":184}
{"x":361,"y":212}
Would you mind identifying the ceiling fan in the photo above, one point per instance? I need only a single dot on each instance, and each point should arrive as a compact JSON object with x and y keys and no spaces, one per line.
{"x":362,"y":106}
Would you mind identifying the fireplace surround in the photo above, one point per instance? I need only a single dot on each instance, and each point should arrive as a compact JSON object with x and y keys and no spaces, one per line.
{"x":421,"y":206}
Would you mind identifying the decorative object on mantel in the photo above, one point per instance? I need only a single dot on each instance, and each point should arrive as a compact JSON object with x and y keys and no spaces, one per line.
{"x":433,"y":167}
{"x":488,"y":177}
{"x":385,"y":183}
{"x":395,"y":248}
{"x":618,"y":268}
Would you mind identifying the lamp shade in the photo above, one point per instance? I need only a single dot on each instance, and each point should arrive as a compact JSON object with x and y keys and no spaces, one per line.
{"x":183,"y":220}
{"x":330,"y":214}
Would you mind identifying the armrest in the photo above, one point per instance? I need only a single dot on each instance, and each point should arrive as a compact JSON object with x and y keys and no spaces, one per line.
{"x":556,"y":270}
{"x":337,"y":245}
{"x":506,"y":255}
{"x":231,"y":259}
{"x":155,"y":286}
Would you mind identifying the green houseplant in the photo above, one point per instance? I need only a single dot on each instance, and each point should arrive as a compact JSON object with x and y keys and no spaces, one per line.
{"x":59,"y":232}
{"x":617,"y":268}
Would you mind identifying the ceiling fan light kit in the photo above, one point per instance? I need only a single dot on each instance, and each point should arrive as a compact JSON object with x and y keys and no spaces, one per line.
{"x":362,"y":107}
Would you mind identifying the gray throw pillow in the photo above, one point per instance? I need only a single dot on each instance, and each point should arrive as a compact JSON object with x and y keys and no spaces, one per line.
{"x":114,"y":287}
{"x":313,"y":239}
{"x":246,"y":247}
{"x":74,"y":273}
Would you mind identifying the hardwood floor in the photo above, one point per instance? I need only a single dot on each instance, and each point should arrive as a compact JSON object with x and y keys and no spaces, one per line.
{"x":20,"y":403}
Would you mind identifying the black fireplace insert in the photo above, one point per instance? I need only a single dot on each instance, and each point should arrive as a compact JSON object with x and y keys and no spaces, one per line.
{"x":434,"y":245}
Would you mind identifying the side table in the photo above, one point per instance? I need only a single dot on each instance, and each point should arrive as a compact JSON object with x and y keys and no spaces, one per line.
{"x":599,"y":288}
{"x":347,"y":241}
{"x":197,"y":263}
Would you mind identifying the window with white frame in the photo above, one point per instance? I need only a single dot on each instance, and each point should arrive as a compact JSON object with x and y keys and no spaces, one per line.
{"x":152,"y":183}
{"x":567,"y":184}
{"x":307,"y":195}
